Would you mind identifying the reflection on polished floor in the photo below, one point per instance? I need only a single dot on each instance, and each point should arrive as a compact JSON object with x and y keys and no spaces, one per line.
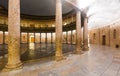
{"x":33,"y":51}
{"x":36,"y":51}
{"x":98,"y":61}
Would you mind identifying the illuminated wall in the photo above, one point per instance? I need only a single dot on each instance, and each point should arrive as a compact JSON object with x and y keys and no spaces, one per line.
{"x":39,"y":23}
{"x":1,"y":37}
{"x":25,"y":38}
{"x":37,"y":37}
{"x":111,"y":33}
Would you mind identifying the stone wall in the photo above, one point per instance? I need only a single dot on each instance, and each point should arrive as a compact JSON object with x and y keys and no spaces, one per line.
{"x":38,"y":23}
{"x":108,"y":35}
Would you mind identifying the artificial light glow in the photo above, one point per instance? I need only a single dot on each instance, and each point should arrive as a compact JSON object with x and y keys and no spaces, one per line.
{"x":31,"y":51}
{"x":6,"y":32}
{"x":31,"y":46}
{"x":37,"y":33}
{"x":65,"y":23}
{"x":69,"y":32}
{"x":49,"y":35}
{"x":1,"y":32}
{"x":53,"y":25}
{"x":31,"y":36}
{"x":74,"y":31}
{"x":64,"y":33}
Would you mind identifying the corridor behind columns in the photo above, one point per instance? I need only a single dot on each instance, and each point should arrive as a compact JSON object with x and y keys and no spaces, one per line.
{"x":59,"y":38}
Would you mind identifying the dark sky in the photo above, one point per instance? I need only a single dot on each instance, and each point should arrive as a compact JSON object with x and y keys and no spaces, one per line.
{"x":38,"y":7}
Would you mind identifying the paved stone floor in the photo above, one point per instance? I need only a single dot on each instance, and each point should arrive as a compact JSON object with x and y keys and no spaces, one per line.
{"x":98,"y":61}
{"x":33,"y":51}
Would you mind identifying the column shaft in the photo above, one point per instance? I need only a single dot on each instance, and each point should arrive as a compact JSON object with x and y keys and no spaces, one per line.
{"x":66,"y":37}
{"x":46,"y":38}
{"x":78,"y":32}
{"x":27,"y":37}
{"x":71,"y":36}
{"x":14,"y":35}
{"x":51,"y":37}
{"x":20,"y":37}
{"x":34,"y":36}
{"x":40,"y":37}
{"x":85,"y":34}
{"x":59,"y":55}
{"x":3,"y":37}
{"x":99,"y":36}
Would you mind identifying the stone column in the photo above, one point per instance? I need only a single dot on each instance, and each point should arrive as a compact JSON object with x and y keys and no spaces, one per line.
{"x":66,"y":37}
{"x":46,"y":38}
{"x":40,"y":37}
{"x":85,"y":34}
{"x":20,"y":37}
{"x":3,"y":37}
{"x":34,"y":33}
{"x":99,"y":35}
{"x":14,"y":35}
{"x":109,"y":36}
{"x":59,"y":55}
{"x":51,"y":37}
{"x":34,"y":36}
{"x":78,"y":32}
{"x":40,"y":34}
{"x":27,"y":37}
{"x":71,"y":36}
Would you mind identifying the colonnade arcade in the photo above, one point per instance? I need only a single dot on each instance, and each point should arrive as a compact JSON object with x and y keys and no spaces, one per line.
{"x":14,"y":33}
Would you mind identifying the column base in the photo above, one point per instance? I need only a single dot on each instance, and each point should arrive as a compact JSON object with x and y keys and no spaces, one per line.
{"x":3,"y":43}
{"x":77,"y":52}
{"x":10,"y":67}
{"x":85,"y":48}
{"x":59,"y":58}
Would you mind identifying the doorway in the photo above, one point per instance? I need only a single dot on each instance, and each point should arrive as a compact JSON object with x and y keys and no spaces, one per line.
{"x":32,"y":39}
{"x":103,"y":40}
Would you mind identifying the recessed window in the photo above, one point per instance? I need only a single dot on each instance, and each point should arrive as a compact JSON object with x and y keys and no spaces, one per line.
{"x":94,"y":36}
{"x":114,"y":34}
{"x":32,"y":25}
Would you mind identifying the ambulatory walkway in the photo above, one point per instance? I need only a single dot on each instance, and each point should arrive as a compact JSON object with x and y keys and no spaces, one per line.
{"x":98,"y":61}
